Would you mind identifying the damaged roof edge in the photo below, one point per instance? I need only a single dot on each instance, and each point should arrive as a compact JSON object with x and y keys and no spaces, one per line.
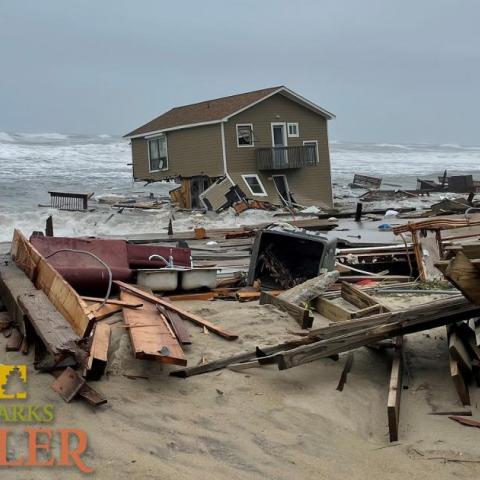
{"x":289,"y":93}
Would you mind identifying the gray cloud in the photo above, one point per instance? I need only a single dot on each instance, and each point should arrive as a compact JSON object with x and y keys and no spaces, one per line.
{"x":392,"y":71}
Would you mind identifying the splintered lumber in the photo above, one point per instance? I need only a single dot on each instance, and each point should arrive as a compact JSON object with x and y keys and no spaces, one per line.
{"x":337,"y":313}
{"x":98,"y":357}
{"x":68,"y":384}
{"x":469,"y":422}
{"x":183,"y":313}
{"x":86,"y":392}
{"x":459,"y":382}
{"x":112,"y":301}
{"x":64,"y":298}
{"x":395,"y":391}
{"x":462,"y":273}
{"x":150,"y":335}
{"x":100,"y":312}
{"x":458,"y":351}
{"x":386,"y":325}
{"x":14,"y":341}
{"x":52,"y":328}
{"x":178,"y":325}
{"x":306,"y":291}
{"x":301,"y":315}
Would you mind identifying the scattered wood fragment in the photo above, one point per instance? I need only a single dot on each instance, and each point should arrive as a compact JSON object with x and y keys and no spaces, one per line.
{"x":395,"y":391}
{"x":178,"y":325}
{"x":312,"y":288}
{"x":301,"y":315}
{"x":345,"y":372}
{"x":100,"y":312}
{"x":150,"y":335}
{"x":465,"y":421}
{"x":183,"y":313}
{"x":454,"y":412}
{"x":459,"y":382}
{"x":98,"y":357}
{"x":68,"y":384}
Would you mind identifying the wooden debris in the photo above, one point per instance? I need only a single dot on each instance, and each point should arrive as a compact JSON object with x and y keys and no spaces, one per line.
{"x":46,"y":278}
{"x":112,"y":301}
{"x":301,"y":315}
{"x":312,"y":288}
{"x":150,"y":335}
{"x":459,"y":382}
{"x":68,"y":384}
{"x":345,"y":372}
{"x":459,"y":352}
{"x":52,"y":328}
{"x":465,"y":421}
{"x":100,"y":312}
{"x":183,"y":313}
{"x":178,"y":325}
{"x":5,"y":321}
{"x":395,"y":392}
{"x":98,"y":357}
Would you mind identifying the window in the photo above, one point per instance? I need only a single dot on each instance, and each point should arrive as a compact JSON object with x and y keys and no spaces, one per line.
{"x":254,"y":185}
{"x":157,"y":154}
{"x":312,"y":143}
{"x":245,"y":135}
{"x":292,"y":129}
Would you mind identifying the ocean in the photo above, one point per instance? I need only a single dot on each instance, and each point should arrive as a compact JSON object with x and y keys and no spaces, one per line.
{"x":33,"y":164}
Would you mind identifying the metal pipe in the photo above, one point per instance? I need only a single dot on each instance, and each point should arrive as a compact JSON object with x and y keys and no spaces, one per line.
{"x":168,"y":263}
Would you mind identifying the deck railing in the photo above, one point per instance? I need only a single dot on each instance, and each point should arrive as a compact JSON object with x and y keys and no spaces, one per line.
{"x":278,"y":158}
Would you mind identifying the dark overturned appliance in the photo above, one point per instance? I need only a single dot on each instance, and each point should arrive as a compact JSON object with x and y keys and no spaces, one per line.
{"x":282,"y":259}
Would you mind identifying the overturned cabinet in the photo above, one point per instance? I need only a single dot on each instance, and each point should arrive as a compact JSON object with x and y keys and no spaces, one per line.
{"x":281,"y":259}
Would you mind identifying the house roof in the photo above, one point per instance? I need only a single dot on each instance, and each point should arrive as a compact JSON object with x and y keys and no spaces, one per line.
{"x":216,"y":111}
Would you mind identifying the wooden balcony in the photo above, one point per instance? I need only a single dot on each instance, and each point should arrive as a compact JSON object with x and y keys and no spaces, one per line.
{"x":280,"y":158}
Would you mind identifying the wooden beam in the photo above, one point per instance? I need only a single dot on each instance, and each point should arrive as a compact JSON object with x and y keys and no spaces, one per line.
{"x":459,"y":382}
{"x":458,"y":351}
{"x":52,"y":328}
{"x":150,"y":335}
{"x":183,"y":313}
{"x":98,"y":357}
{"x":178,"y":325}
{"x":300,"y":314}
{"x":395,"y":391}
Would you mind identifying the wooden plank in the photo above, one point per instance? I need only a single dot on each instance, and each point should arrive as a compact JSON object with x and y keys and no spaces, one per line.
{"x":14,"y":341}
{"x":331,"y":310}
{"x":64,"y":298}
{"x":112,"y":301}
{"x":395,"y":391}
{"x":301,"y":315}
{"x":178,"y":325}
{"x":458,"y":351}
{"x":188,"y":297}
{"x":150,"y":335}
{"x":52,"y":328}
{"x":97,"y":360}
{"x":183,"y":313}
{"x":459,"y":382}
{"x":345,"y":372}
{"x":356,"y":297}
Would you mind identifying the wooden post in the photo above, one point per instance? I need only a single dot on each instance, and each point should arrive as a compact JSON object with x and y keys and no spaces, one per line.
{"x":170,"y":227}
{"x":49,"y":227}
{"x":395,"y":390}
{"x":358,"y":212}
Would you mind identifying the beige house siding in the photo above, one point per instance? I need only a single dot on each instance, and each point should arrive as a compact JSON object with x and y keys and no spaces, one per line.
{"x":192,"y":151}
{"x":309,"y":185}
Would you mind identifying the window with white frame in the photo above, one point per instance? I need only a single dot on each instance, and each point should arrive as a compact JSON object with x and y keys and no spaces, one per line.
{"x":292,"y":129}
{"x":245,"y":135}
{"x":314,"y":150}
{"x":255,"y":185}
{"x":157,"y":154}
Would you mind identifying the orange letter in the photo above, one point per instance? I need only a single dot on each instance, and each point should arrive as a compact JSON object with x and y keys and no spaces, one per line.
{"x":34,"y":445}
{"x":65,"y":451}
{"x":4,"y":449}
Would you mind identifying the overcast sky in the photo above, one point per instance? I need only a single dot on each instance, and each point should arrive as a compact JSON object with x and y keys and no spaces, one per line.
{"x":393,"y":71}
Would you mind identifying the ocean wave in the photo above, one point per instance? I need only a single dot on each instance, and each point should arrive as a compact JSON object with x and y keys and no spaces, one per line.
{"x":43,"y":136}
{"x":392,"y":145}
{"x":5,"y":137}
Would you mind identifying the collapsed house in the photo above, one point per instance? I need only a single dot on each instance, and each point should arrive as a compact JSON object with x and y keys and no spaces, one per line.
{"x":268,"y":145}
